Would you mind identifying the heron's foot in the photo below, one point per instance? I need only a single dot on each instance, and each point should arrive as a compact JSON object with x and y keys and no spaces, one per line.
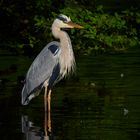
{"x":49,"y":127}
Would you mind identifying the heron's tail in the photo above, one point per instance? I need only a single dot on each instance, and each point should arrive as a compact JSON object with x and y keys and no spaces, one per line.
{"x":26,"y":97}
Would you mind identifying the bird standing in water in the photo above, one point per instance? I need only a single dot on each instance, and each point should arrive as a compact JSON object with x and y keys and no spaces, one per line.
{"x":54,"y":62}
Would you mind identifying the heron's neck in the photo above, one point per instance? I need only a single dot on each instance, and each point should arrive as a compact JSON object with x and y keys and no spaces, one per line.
{"x":67,"y":60}
{"x":65,"y":41}
{"x":63,"y":36}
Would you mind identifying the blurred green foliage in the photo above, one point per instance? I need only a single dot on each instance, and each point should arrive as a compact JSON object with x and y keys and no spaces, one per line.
{"x":27,"y":24}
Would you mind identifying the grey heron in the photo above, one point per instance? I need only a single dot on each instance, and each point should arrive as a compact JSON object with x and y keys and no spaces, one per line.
{"x":53,"y":63}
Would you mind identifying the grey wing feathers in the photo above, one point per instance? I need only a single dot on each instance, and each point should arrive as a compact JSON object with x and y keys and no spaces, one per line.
{"x":40,"y":71}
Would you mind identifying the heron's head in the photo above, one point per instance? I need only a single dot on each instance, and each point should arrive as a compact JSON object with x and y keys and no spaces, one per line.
{"x":62,"y":21}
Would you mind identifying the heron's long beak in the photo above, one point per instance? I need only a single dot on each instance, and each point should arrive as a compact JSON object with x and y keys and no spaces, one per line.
{"x":74,"y":25}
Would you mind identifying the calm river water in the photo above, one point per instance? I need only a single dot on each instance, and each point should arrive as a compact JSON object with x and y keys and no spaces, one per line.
{"x":102,"y":102}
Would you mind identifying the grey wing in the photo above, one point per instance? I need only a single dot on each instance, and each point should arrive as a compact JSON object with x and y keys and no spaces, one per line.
{"x":40,"y":71}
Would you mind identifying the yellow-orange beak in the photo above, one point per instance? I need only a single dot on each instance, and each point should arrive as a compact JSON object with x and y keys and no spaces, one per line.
{"x":74,"y":25}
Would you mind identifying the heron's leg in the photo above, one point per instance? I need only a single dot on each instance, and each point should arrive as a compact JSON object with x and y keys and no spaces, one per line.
{"x":45,"y":98}
{"x":49,"y":100}
{"x":49,"y":111}
{"x":47,"y":124}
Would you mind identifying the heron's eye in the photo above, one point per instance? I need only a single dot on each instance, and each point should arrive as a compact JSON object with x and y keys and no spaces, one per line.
{"x":65,"y":21}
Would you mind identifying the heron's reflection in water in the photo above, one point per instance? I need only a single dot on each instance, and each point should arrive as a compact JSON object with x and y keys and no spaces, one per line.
{"x":33,"y":132}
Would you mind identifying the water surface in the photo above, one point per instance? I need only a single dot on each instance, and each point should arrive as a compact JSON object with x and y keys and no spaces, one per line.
{"x":102,"y":102}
